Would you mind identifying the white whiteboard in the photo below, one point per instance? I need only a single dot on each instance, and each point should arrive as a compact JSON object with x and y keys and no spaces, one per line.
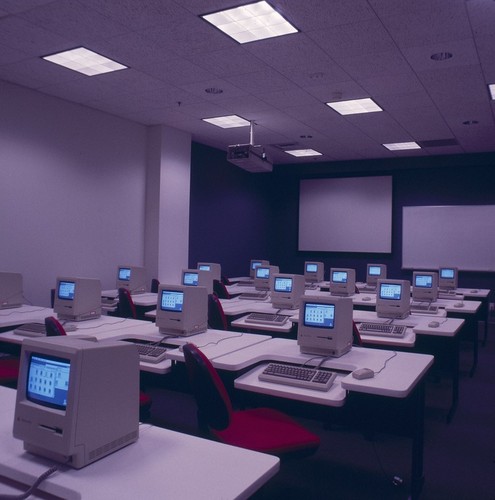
{"x":461,"y":236}
{"x":352,"y":214}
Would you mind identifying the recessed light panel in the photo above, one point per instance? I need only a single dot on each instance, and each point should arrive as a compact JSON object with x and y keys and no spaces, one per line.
{"x":303,"y":152}
{"x":355,"y":106}
{"x":230,"y":121}
{"x":492,"y":90}
{"x":84,"y":61}
{"x":247,"y":23}
{"x":399,"y":146}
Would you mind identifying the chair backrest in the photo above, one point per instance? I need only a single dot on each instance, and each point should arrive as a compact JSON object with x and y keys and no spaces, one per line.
{"x":220,"y":289}
{"x":214,"y":405}
{"x":126,"y":309}
{"x":53,"y":327}
{"x":154,"y":285}
{"x":356,"y":336}
{"x":216,"y":316}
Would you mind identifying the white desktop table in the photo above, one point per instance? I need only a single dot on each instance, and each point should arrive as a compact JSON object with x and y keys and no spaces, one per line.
{"x":24,"y":314}
{"x":161,"y":464}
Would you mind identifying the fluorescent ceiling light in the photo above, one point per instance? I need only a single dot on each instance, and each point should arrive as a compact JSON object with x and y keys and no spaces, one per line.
{"x":355,"y":106}
{"x":303,"y":152}
{"x":84,"y":61}
{"x":247,"y":23}
{"x":230,"y":121}
{"x":492,"y":90}
{"x":398,"y":146}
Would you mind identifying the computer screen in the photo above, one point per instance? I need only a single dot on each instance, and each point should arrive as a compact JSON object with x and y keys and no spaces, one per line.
{"x":64,"y":382}
{"x":133,"y":278}
{"x":287,"y":290}
{"x":393,"y":299}
{"x":325,"y":325}
{"x":374,"y":272}
{"x":11,"y":290}
{"x":256,"y":263}
{"x":198,"y":277}
{"x":447,"y":278}
{"x":263,"y":277}
{"x":214,"y":268}
{"x":425,"y":285}
{"x":342,"y":281}
{"x":182,"y":310}
{"x":314,"y":271}
{"x":77,"y":299}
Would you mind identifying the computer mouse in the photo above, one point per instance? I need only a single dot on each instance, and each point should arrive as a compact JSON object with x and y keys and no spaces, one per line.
{"x":362,"y":373}
{"x":459,"y":304}
{"x":366,"y":298}
{"x":433,"y":324}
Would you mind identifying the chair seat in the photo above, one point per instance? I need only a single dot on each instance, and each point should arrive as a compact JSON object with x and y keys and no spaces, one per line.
{"x":267,"y":430}
{"x":9,"y":370}
{"x":144,"y":400}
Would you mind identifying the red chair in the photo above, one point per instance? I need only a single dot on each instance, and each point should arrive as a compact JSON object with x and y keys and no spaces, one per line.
{"x":221,"y":290}
{"x":216,"y":315}
{"x":154,"y":285}
{"x":9,"y":371}
{"x":259,"y":429}
{"x":126,"y":308}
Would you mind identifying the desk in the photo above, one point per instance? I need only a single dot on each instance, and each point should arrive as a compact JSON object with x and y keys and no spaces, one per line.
{"x":401,"y":379}
{"x":24,"y":314}
{"x":161,"y":464}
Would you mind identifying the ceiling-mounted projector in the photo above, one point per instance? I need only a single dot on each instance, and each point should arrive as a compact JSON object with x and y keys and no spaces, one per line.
{"x":248,"y":156}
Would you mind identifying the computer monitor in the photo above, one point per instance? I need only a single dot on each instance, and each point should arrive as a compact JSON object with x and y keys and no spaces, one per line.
{"x":256,"y":263}
{"x":287,"y":290}
{"x":11,"y":292}
{"x":393,"y":299}
{"x":133,"y":278}
{"x":447,"y":278}
{"x":77,"y":299}
{"x":77,"y":400}
{"x":425,"y":285}
{"x":325,"y":325}
{"x":215,"y":269}
{"x":182,"y":310}
{"x":197,"y":277}
{"x":342,"y":281}
{"x":375,"y":272}
{"x":263,"y":277}
{"x":314,"y":272}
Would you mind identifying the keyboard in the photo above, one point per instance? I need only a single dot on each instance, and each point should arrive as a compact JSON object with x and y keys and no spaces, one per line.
{"x":382,"y":330}
{"x":266,"y":318}
{"x":253,"y":295}
{"x":368,"y":288}
{"x":31,"y":330}
{"x":298,"y":376}
{"x":424,"y":308}
{"x":150,"y":353}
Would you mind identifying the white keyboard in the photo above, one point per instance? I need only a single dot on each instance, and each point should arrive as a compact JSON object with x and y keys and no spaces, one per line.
{"x":298,"y":376}
{"x":266,"y":318}
{"x":424,"y":308}
{"x":31,"y":330}
{"x":253,"y":295}
{"x":382,"y":330}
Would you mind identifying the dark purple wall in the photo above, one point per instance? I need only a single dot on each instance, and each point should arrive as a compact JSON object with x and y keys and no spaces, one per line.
{"x":256,"y":215}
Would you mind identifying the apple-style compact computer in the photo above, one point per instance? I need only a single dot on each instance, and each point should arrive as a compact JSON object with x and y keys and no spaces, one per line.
{"x":182,"y":310}
{"x":287,"y":290}
{"x":77,"y":400}
{"x":375,"y":272}
{"x":256,"y":263}
{"x":215,"y":269}
{"x":342,"y":282}
{"x":425,"y":286}
{"x":393,"y":298}
{"x":197,"y":277}
{"x":11,"y":290}
{"x":77,"y":299}
{"x":447,"y":278}
{"x":263,"y":277}
{"x":325,"y":325}
{"x":133,"y":278}
{"x":314,"y":272}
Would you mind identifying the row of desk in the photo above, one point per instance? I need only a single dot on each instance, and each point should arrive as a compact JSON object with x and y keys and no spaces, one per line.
{"x":400,"y":378}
